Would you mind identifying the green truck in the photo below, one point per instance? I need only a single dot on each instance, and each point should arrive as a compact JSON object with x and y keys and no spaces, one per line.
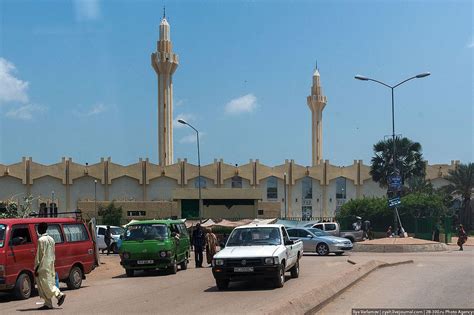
{"x":155,"y":244}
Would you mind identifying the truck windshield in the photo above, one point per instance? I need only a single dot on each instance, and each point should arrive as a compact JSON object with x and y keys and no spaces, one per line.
{"x":255,"y":236}
{"x":318,"y":232}
{"x":116,"y":230}
{"x":142,"y":232}
{"x":3,"y":228}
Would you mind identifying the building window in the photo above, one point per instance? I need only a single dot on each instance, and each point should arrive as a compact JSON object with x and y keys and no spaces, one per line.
{"x":307,"y":188}
{"x":202,"y":180}
{"x":341,"y":188}
{"x":260,"y":212}
{"x":236,"y":182}
{"x":272,"y":188}
{"x":138,"y":213}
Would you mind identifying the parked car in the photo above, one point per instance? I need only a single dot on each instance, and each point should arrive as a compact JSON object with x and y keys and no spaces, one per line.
{"x":257,"y":251}
{"x":75,"y":254}
{"x":116,"y":231}
{"x":320,"y":242}
{"x":334,"y":229}
{"x":155,"y":244}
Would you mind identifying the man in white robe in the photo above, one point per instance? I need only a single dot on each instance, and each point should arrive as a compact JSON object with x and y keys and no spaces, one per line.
{"x":44,"y":269}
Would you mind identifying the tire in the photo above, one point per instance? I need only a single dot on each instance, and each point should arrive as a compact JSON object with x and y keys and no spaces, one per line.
{"x":295,"y":270}
{"x":339,"y":254}
{"x":184,"y":264}
{"x":173,"y":268}
{"x":23,"y":287}
{"x":322,"y":249}
{"x":130,"y":272}
{"x":279,"y":281}
{"x":222,"y":284}
{"x":74,"y":280}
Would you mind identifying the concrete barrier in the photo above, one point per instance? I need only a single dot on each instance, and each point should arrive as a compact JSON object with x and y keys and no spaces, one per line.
{"x":400,"y":248}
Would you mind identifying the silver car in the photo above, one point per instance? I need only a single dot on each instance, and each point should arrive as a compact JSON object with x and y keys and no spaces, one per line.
{"x":320,"y":242}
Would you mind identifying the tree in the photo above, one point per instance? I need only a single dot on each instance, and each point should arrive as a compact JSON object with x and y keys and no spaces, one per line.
{"x":462,"y":184}
{"x":409,"y":160}
{"x":420,"y":185}
{"x":111,"y":215}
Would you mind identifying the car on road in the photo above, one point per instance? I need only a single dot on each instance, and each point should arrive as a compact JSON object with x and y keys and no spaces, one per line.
{"x":333,"y":228}
{"x":257,"y":251}
{"x":116,"y":231}
{"x":155,"y":244}
{"x":74,"y":249}
{"x":320,"y":242}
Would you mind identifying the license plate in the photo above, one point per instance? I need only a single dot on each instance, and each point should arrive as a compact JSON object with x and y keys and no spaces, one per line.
{"x":243,"y":269}
{"x":145,"y":262}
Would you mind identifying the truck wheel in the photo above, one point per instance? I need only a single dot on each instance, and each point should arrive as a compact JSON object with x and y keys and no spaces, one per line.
{"x":130,"y":272}
{"x":74,"y":281}
{"x":280,"y":279}
{"x":184,"y":264}
{"x":295,"y":270}
{"x":173,"y":268}
{"x":339,"y":254}
{"x":222,"y":284}
{"x":22,"y":290}
{"x":322,"y":249}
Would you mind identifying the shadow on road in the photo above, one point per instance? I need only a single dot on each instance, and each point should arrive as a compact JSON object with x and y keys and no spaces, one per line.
{"x":250,"y":285}
{"x":37,"y":309}
{"x":146,"y":273}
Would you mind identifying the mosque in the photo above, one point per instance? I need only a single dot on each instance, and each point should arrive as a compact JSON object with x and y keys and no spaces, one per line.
{"x":171,"y":188}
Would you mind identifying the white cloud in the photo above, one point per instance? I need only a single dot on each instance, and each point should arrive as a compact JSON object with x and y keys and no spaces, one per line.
{"x":191,"y":138}
{"x":87,"y":10}
{"x":179,"y":103}
{"x":187,"y":117}
{"x":26,"y":112}
{"x":471,"y":44}
{"x":94,"y":110}
{"x":243,"y":104}
{"x":11,"y":88}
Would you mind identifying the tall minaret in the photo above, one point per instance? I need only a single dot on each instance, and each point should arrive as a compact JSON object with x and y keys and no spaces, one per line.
{"x":165,"y":62}
{"x":316,"y":102}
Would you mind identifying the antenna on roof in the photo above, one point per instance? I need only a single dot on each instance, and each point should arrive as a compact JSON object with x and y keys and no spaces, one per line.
{"x":164,"y":12}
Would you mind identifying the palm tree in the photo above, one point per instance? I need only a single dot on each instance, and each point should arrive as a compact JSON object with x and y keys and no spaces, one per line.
{"x":409,"y":160}
{"x":462,"y":184}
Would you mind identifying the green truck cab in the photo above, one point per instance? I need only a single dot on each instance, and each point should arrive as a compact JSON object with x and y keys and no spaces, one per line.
{"x":155,"y":244}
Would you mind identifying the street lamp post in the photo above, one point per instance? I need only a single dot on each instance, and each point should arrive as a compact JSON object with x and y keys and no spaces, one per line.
{"x":284,"y":192}
{"x":392,"y":88}
{"x":182,"y":121}
{"x":95,"y":198}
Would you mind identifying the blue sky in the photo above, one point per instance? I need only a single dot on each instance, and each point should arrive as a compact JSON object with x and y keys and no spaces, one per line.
{"x":76,"y":78}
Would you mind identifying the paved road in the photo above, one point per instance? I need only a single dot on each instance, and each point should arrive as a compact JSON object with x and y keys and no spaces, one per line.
{"x":435,"y":280}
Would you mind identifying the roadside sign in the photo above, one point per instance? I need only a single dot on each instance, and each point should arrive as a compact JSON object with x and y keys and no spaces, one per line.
{"x":395,"y":182}
{"x":393,"y":202}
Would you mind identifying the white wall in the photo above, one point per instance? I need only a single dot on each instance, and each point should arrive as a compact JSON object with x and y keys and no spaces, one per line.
{"x":209,"y":183}
{"x":125,"y":188}
{"x":10,"y":186}
{"x":83,"y":189}
{"x":439,"y":182}
{"x":161,"y":188}
{"x":372,"y":189}
{"x":44,"y":186}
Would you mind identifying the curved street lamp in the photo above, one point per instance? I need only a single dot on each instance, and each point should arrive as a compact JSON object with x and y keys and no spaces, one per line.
{"x":418,"y":76}
{"x":184,"y":122}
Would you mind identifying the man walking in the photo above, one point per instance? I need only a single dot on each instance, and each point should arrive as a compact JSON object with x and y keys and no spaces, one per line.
{"x":211,"y":245}
{"x":108,"y":238}
{"x":44,"y":269}
{"x":198,"y":243}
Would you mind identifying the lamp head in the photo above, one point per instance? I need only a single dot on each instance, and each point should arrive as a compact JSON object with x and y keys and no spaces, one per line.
{"x":182,"y":121}
{"x":361,"y":77}
{"x":422,"y":75}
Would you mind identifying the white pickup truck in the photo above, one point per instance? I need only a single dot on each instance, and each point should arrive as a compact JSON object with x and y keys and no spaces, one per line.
{"x":257,"y":251}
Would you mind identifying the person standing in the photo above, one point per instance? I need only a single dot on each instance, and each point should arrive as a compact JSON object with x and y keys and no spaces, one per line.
{"x":462,"y":236}
{"x":45,"y":276}
{"x":211,"y":245}
{"x":108,"y":238}
{"x":198,"y":243}
{"x":389,"y":231}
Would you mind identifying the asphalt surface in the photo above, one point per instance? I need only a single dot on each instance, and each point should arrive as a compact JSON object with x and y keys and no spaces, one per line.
{"x":435,"y":280}
{"x":108,"y":291}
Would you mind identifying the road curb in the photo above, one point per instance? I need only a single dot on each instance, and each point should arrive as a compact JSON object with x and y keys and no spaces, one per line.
{"x":400,"y":248}
{"x":310,"y":302}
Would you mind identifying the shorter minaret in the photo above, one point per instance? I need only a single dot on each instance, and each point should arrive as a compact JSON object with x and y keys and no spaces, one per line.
{"x":165,"y":62}
{"x":316,"y":102}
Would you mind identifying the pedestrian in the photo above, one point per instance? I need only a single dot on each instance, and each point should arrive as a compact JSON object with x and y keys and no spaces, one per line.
{"x":436,"y":233}
{"x":198,"y":243}
{"x":389,"y":231}
{"x":45,"y":276}
{"x":108,"y":238}
{"x":462,"y":236}
{"x":211,"y":245}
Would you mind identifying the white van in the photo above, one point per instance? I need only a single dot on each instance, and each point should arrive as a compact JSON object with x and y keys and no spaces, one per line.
{"x":116,"y":231}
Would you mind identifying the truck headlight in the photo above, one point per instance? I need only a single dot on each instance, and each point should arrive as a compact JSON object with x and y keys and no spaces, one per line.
{"x":276,"y":260}
{"x":218,"y":262}
{"x":162,"y":254}
{"x":269,"y":261}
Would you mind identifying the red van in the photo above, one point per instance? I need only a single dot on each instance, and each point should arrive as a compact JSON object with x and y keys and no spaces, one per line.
{"x":75,"y":254}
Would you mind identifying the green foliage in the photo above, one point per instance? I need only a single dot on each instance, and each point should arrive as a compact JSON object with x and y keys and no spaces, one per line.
{"x":11,"y":209}
{"x":409,"y":160}
{"x":111,"y":215}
